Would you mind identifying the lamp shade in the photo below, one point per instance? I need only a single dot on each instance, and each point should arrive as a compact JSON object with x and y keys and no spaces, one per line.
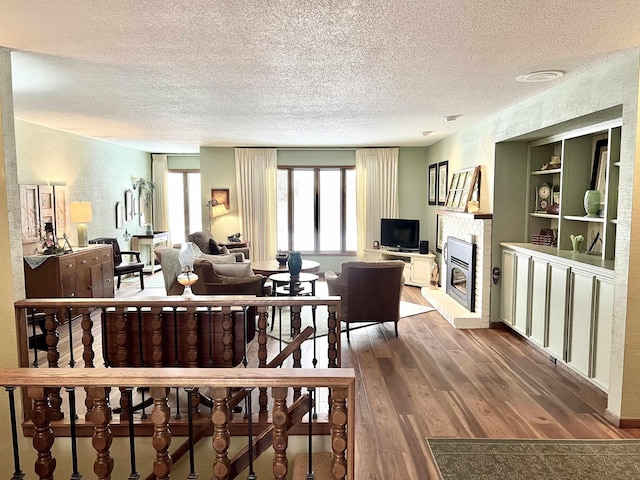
{"x":80,"y":212}
{"x":218,"y":210}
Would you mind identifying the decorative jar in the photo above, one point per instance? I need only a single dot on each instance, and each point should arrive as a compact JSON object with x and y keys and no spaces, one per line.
{"x":295,"y":263}
{"x":592,"y":202}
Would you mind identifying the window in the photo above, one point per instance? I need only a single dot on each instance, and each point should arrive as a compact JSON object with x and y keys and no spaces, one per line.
{"x":184,"y":199}
{"x":317,"y":209}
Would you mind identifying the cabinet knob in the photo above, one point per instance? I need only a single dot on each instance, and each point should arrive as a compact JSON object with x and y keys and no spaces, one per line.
{"x":108,"y":280}
{"x":72,"y":295}
{"x":96,"y":258}
{"x":84,"y":261}
{"x":69,"y":265}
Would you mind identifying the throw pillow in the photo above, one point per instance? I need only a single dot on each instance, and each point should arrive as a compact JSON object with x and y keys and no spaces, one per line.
{"x":216,"y":259}
{"x":213,"y":246}
{"x":233,"y":269}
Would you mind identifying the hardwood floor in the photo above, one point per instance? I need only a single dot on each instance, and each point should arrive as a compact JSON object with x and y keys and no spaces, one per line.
{"x":436,"y":381}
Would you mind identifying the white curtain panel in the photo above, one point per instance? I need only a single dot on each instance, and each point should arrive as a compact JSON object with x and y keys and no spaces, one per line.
{"x":376,"y":192}
{"x":159,"y":172}
{"x":256,"y":175}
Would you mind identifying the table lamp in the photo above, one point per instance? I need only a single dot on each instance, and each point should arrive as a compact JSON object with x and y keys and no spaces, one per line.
{"x":80,"y":212}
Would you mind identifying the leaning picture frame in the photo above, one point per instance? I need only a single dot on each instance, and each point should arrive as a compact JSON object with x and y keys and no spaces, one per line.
{"x":599,"y":170}
{"x":221,"y":195}
{"x":443,"y":173}
{"x":433,"y":184}
{"x":439,"y":233}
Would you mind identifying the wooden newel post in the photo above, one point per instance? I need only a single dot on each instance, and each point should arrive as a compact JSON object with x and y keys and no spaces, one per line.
{"x":339,"y":417}
{"x":220,"y":417}
{"x":43,"y":436}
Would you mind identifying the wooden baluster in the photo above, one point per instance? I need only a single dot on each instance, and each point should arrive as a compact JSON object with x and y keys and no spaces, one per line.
{"x":280,"y":420}
{"x":296,"y":322}
{"x":43,"y":436}
{"x":121,"y":357}
{"x":102,"y":435}
{"x":332,"y":337}
{"x":339,"y":417}
{"x":53,"y":355}
{"x":192,"y":357}
{"x":161,"y":433}
{"x":88,"y":354}
{"x":227,"y":337}
{"x":220,"y":416}
{"x":156,"y":336}
{"x":87,"y":340}
{"x":121,"y":337}
{"x":262,"y":357}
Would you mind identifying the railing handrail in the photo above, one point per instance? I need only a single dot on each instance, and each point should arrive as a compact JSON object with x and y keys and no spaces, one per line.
{"x":177,"y":301}
{"x":178,"y":377}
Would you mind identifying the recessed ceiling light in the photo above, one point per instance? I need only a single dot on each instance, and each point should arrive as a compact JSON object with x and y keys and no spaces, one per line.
{"x":451,"y":118}
{"x":541,"y":76}
{"x":426,"y":132}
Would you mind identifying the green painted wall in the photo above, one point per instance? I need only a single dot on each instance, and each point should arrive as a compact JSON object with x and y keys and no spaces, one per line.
{"x":93,"y":170}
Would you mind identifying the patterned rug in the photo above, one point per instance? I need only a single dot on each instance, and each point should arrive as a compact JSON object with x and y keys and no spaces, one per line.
{"x":282,"y":322}
{"x":488,"y":459}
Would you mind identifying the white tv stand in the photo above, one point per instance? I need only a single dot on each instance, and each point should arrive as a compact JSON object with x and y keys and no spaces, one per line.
{"x":418,"y":266}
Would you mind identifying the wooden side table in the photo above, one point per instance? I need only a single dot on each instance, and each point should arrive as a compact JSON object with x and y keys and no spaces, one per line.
{"x":232,"y":245}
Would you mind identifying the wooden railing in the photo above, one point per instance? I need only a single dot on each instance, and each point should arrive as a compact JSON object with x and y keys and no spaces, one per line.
{"x":200,"y":331}
{"x":40,"y":382}
{"x":192,"y":343}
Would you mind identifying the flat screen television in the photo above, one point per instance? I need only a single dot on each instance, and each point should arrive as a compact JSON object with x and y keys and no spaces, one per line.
{"x":400,"y":234}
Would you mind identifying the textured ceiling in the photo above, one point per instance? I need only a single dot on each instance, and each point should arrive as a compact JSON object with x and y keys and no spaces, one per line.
{"x":171,"y":76}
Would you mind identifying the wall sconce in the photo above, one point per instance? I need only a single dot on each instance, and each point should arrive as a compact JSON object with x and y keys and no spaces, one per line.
{"x":80,"y":212}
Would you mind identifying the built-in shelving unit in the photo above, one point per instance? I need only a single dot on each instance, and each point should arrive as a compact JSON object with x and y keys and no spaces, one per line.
{"x":589,"y":160}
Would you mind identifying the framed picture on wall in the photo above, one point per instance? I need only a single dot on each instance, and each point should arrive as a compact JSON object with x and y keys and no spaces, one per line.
{"x":433,"y":184}
{"x":443,"y":173}
{"x":221,"y":195}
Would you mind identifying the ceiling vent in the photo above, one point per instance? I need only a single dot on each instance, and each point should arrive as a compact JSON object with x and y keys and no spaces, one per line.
{"x":542,"y":76}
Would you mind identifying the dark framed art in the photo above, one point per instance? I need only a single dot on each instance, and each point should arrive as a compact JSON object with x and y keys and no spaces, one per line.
{"x":599,"y":170}
{"x":433,"y":184}
{"x":443,"y":173}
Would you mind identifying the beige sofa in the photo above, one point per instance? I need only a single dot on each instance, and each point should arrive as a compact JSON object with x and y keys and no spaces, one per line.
{"x":205,"y":242}
{"x":217,"y":274}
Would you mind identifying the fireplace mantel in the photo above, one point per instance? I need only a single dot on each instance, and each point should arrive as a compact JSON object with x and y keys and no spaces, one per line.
{"x":469,"y":215}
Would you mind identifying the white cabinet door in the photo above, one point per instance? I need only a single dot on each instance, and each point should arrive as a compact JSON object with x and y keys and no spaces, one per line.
{"x":557,"y":316}
{"x":421,"y":271}
{"x":507,"y":293}
{"x":602,"y":331}
{"x":580,"y":313}
{"x":538,"y":331}
{"x":521,"y":308}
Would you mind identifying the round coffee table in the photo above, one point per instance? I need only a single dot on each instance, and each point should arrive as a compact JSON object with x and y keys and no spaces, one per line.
{"x":269,"y":267}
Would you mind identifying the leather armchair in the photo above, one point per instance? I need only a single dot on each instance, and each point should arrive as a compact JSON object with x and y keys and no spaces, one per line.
{"x":121,"y":267}
{"x":217,"y":275}
{"x":370,"y":291}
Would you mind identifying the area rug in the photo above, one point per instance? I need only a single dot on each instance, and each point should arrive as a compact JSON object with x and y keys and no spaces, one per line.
{"x":407,"y":309}
{"x":489,"y":459}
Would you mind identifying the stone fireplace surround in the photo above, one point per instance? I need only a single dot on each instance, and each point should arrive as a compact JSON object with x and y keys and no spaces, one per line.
{"x":474,"y":228}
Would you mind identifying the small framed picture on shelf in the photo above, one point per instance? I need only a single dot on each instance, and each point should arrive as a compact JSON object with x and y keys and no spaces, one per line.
{"x":433,"y":184}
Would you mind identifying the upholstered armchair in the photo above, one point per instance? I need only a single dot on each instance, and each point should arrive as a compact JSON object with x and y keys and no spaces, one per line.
{"x":205,"y":242}
{"x":217,"y":274}
{"x":370,"y":291}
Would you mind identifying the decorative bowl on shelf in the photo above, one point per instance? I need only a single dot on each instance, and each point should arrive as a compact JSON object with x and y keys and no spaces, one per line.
{"x":282,"y":258}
